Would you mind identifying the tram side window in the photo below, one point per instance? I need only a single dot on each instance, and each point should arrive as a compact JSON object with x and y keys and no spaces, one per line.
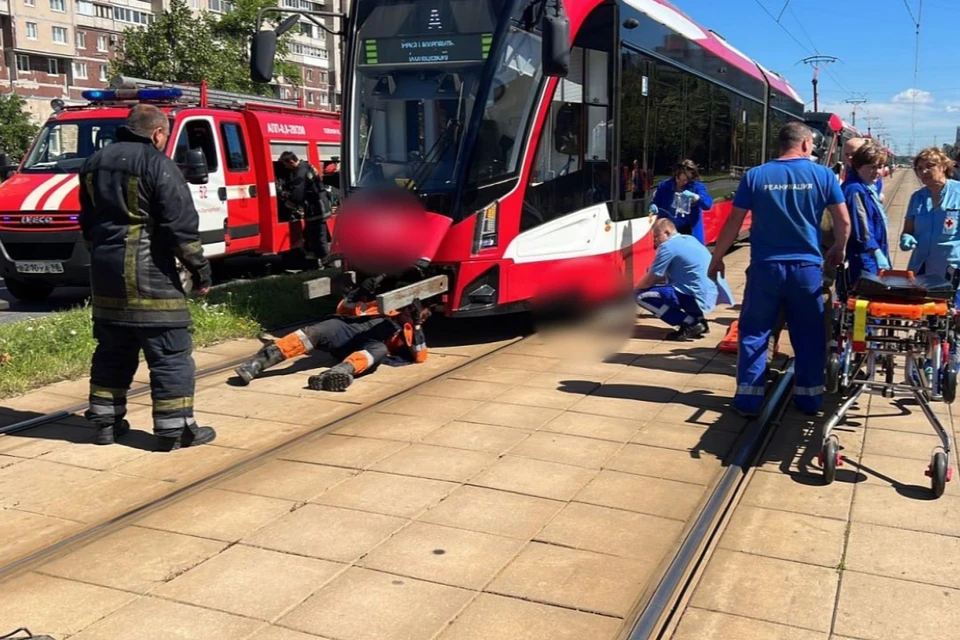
{"x":572,"y":168}
{"x":197,"y":134}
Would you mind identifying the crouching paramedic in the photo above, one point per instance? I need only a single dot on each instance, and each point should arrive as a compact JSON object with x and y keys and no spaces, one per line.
{"x":685,"y":293}
{"x":138,"y":218}
{"x":358,"y":335}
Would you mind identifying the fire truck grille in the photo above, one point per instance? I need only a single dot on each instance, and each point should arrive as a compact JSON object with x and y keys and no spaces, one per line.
{"x":39,"y":250}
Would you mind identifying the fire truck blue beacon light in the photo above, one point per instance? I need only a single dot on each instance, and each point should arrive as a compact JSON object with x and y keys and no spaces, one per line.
{"x":99,"y":95}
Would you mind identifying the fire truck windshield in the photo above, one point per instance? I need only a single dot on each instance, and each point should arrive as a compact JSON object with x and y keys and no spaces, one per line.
{"x":63,"y":145}
{"x":415,"y":83}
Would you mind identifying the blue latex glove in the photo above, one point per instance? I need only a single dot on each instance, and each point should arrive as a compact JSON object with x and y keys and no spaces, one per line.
{"x":881,"y":259}
{"x":653,"y":209}
{"x":907,"y":242}
{"x":690,"y":195}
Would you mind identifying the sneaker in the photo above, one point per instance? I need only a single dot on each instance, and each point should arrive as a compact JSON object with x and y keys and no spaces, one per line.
{"x":689,"y":332}
{"x":106,"y":435}
{"x":190,"y":437}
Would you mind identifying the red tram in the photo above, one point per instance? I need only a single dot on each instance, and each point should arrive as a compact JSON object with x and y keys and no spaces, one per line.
{"x":540,"y":129}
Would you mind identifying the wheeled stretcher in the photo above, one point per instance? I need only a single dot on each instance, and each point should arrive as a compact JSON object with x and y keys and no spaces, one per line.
{"x":881,"y":319}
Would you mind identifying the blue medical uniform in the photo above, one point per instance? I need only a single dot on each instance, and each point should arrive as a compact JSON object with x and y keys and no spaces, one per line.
{"x":868,"y":228}
{"x":692,"y":223}
{"x":787,"y":198}
{"x":937,"y":230}
{"x":689,"y":293}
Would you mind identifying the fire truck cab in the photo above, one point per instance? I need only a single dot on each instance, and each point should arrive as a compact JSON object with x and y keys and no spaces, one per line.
{"x":226,"y":144}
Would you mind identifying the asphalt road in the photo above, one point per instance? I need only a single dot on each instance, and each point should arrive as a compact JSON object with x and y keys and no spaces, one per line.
{"x":12,"y":309}
{"x":60,"y":299}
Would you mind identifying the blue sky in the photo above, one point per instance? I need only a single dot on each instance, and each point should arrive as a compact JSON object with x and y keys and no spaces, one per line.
{"x":874,"y":41}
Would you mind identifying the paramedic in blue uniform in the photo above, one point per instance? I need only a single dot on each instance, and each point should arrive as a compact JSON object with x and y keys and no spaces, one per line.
{"x":931,"y":228}
{"x":787,"y":197}
{"x":677,"y":289}
{"x":868,"y":249}
{"x":850,"y":148}
{"x":685,"y":191}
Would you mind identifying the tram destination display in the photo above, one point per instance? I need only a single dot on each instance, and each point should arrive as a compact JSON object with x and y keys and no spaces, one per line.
{"x":427,"y":49}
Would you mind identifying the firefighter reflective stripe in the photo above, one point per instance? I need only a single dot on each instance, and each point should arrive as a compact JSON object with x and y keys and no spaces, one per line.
{"x":107,"y":404}
{"x":149,"y":304}
{"x":191,"y":248}
{"x":133,"y":201}
{"x":295,"y":344}
{"x":169,"y":405}
{"x":360,"y":360}
{"x":108,"y":393}
{"x":131,"y":251}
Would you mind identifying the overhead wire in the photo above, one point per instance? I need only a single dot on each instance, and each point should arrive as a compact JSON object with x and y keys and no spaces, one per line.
{"x":787,"y":31}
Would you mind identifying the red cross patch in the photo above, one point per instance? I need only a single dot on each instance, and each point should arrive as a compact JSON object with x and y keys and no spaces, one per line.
{"x":949,"y":223}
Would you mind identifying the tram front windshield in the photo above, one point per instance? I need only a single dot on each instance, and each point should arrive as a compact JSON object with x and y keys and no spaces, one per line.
{"x":416,"y":79}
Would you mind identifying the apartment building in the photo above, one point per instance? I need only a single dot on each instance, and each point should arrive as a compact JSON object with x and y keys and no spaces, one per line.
{"x":59,"y":48}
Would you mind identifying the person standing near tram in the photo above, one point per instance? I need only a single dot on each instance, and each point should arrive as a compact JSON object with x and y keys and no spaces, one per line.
{"x":787,"y":197}
{"x":682,"y":199}
{"x":931,"y":229}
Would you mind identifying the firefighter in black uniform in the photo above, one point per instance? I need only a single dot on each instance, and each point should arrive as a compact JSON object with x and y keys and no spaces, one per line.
{"x":305,"y":195}
{"x":137,"y":218}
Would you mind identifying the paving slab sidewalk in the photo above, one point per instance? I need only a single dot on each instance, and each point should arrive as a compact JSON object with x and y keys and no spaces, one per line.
{"x":55,"y":483}
{"x":527,"y":496}
{"x":872,"y":556}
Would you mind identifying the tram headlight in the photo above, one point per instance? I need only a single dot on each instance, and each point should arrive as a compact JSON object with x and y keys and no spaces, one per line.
{"x":485,"y":236}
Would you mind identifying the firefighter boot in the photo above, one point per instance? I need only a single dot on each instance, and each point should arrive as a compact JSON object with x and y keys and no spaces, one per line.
{"x":106,"y":435}
{"x":191,"y":436}
{"x":267,"y":357}
{"x":337,"y":378}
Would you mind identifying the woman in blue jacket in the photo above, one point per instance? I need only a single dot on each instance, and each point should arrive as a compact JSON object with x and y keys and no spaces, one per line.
{"x":868,"y":249}
{"x":683,"y":199}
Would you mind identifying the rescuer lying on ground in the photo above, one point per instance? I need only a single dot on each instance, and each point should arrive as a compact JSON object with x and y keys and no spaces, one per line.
{"x":358,"y":335}
{"x":685,"y":294}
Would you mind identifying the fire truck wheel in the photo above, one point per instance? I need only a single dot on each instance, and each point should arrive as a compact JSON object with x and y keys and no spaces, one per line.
{"x":28,"y":291}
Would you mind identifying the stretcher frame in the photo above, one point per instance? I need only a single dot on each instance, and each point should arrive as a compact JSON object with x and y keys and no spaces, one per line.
{"x":868,"y":336}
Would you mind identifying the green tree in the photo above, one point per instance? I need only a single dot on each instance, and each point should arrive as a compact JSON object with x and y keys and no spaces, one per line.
{"x":16,"y":127}
{"x":180,"y":46}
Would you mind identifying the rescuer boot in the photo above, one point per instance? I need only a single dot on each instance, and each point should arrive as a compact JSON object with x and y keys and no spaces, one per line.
{"x":267,"y":357}
{"x":337,"y":378}
{"x":106,"y":435}
{"x":192,"y":436}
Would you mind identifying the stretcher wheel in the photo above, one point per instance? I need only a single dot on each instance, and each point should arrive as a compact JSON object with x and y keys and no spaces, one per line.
{"x":888,"y":376}
{"x":938,"y":473}
{"x":949,"y":389}
{"x":829,"y":456}
{"x":833,"y":373}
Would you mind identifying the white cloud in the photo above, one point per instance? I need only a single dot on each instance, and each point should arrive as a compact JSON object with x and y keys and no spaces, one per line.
{"x":936,"y":120}
{"x":921,"y":96}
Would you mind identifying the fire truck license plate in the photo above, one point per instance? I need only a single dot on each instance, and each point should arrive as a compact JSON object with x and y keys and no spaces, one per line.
{"x":39,"y":267}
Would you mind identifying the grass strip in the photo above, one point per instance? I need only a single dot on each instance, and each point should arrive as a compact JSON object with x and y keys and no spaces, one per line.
{"x":58,"y":346}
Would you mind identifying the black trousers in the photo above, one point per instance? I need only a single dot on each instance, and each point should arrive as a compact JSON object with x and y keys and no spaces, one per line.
{"x":168,"y":352}
{"x":316,"y":238}
{"x":361,"y":341}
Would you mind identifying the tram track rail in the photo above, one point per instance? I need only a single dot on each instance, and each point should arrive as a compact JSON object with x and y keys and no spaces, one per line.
{"x":99,"y":530}
{"x":661,"y":610}
{"x":659,"y":613}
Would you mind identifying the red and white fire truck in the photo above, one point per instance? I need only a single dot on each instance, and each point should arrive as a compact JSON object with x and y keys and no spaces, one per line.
{"x":234,"y":187}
